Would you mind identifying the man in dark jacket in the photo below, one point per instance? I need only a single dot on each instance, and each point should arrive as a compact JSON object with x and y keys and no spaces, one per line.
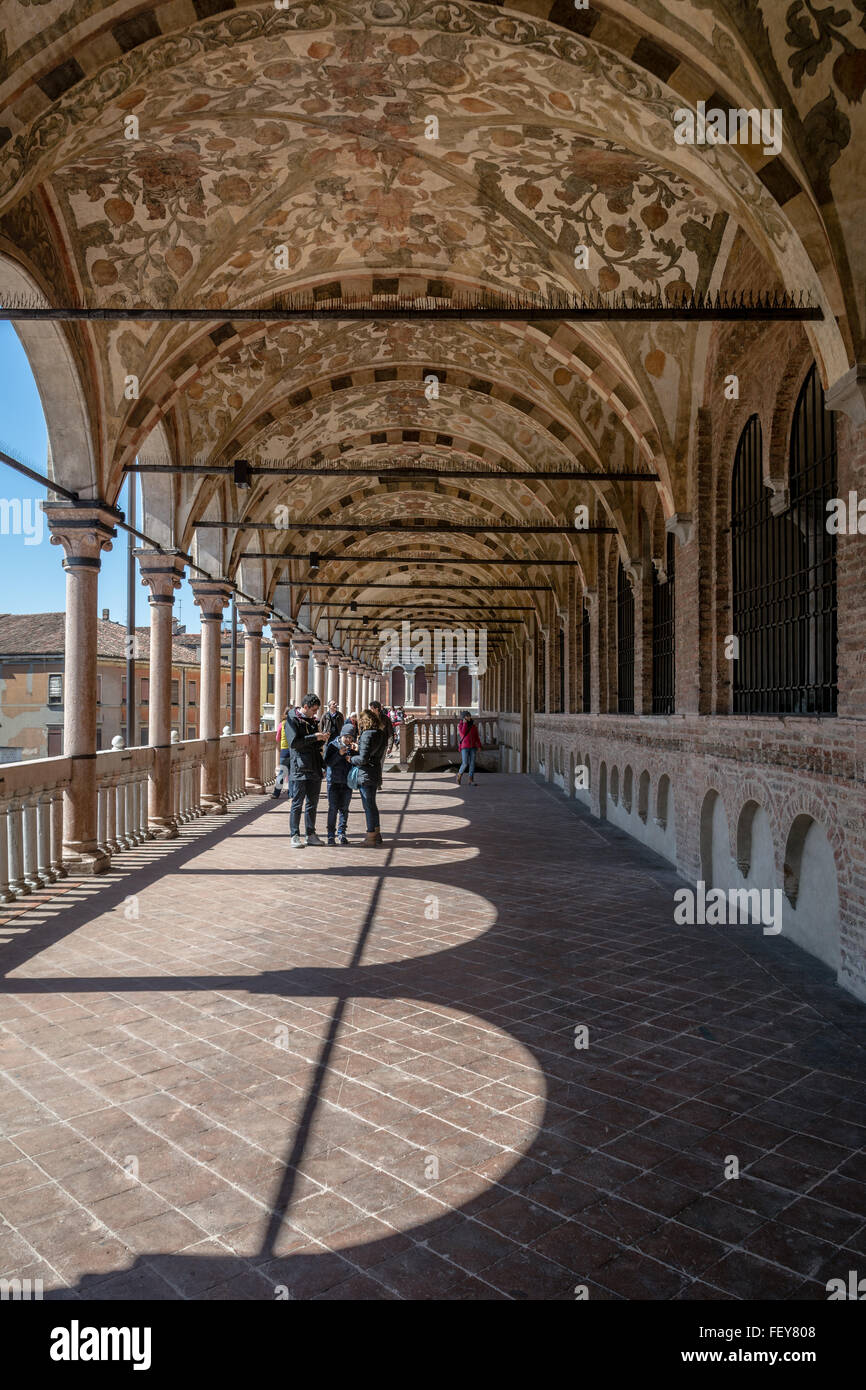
{"x":332,"y":720}
{"x":337,"y":755}
{"x":305,"y":740}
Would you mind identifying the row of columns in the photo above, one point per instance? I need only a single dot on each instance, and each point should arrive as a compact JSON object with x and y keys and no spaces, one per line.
{"x":84,"y":532}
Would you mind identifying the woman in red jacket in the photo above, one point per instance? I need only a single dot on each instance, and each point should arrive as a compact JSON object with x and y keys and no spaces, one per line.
{"x":470,"y":742}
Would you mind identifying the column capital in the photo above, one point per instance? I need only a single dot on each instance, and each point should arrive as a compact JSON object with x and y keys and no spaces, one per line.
{"x":161,"y":572}
{"x":253,"y":616}
{"x":282,"y":630}
{"x":83,"y":531}
{"x":848,"y":394}
{"x":211,"y":596}
{"x":680,"y":524}
{"x":334,"y":659}
{"x":320,"y":651}
{"x":346,"y":663}
{"x":303,"y":646}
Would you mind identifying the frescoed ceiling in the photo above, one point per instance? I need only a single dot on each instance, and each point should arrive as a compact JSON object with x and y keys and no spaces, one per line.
{"x":208,"y":153}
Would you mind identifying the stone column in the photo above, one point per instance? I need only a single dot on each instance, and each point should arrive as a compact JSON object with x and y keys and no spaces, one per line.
{"x":211,"y":596}
{"x":161,"y":572}
{"x":253,"y":617}
{"x":343,"y":697}
{"x":302,"y":648}
{"x":320,"y":672}
{"x":334,"y":677}
{"x":84,"y":532}
{"x":281,"y":632}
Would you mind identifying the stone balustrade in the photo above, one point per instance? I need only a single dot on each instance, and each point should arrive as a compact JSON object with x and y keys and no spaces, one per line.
{"x":31,"y":802}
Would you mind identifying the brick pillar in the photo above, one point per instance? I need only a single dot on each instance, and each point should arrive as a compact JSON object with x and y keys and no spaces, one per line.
{"x":253,"y":618}
{"x":211,"y":598}
{"x":686,"y":617}
{"x":84,"y":532}
{"x":161,"y":572}
{"x":846,"y":399}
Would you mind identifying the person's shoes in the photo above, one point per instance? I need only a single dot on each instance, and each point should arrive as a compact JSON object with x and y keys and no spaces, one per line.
{"x":378,"y":834}
{"x":343,"y":840}
{"x":297,"y":842}
{"x":472,"y":782}
{"x":370,"y":840}
{"x":331,"y":841}
{"x":314,"y":839}
{"x":459,"y":776}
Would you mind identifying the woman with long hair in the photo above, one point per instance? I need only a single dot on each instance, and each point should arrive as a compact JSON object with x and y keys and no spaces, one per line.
{"x":372,"y":743}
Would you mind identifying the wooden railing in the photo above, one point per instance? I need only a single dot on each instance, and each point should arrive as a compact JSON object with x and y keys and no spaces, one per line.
{"x":31,"y":802}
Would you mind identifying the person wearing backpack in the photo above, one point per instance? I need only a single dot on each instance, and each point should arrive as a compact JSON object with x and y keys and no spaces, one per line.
{"x":469,"y":742}
{"x":305,"y":740}
{"x":284,"y":752}
{"x":368,"y":761}
{"x":337,"y":755}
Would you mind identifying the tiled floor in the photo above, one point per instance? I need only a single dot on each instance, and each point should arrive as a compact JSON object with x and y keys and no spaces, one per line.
{"x":237,"y":1071}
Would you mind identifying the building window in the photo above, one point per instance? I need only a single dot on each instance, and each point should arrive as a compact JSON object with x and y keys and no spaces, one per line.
{"x":175,"y":692}
{"x":55,"y":740}
{"x":624,"y":642}
{"x":145,"y":691}
{"x":540,"y":673}
{"x":664,"y":633}
{"x":561,"y":671}
{"x":783,"y":570}
{"x":142,"y":735}
{"x":586,"y":639}
{"x":813,"y":481}
{"x":123,"y":690}
{"x":55,"y":690}
{"x":190,"y":731}
{"x":99,"y":738}
{"x":190,"y":692}
{"x":99,"y":690}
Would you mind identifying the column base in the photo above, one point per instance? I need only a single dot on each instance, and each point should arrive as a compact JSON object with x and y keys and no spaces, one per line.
{"x":253,"y":788}
{"x":163,"y":829}
{"x":213,"y":805}
{"x":82,"y":862}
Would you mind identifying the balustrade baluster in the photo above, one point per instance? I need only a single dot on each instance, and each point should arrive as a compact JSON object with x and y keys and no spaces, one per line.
{"x":17,"y":882}
{"x":57,"y":834}
{"x":6,"y":896}
{"x":43,"y":814}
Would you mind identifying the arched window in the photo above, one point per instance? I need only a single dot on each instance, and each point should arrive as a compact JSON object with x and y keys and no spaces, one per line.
{"x":464,"y":687}
{"x":398,"y":686}
{"x":664,"y":634}
{"x":624,"y":642}
{"x":813,"y":481}
{"x":561,"y":671}
{"x":420,"y":685}
{"x":540,"y":673}
{"x":783,"y":570}
{"x":587,"y":660}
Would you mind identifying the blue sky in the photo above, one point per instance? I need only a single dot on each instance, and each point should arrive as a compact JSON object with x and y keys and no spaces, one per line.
{"x":31,"y":575}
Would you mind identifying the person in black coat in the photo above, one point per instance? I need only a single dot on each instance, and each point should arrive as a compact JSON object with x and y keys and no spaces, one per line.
{"x":305,"y":740}
{"x":337,"y":760}
{"x":372,"y":744}
{"x":332,"y":720}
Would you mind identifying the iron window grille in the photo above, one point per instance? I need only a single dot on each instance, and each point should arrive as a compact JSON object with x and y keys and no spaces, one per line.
{"x":624,"y":643}
{"x":664,"y":634}
{"x":587,"y":660}
{"x":783,"y":570}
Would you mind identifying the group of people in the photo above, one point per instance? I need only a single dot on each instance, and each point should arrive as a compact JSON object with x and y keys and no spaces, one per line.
{"x":347,"y":754}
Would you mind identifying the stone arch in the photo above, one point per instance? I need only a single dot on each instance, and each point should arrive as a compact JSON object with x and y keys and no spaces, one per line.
{"x":627,"y":789}
{"x":73,"y":457}
{"x":614,"y":785}
{"x":811,"y":890}
{"x":602,"y":790}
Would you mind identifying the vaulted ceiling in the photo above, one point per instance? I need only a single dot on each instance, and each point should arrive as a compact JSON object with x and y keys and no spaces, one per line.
{"x":199,"y":152}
